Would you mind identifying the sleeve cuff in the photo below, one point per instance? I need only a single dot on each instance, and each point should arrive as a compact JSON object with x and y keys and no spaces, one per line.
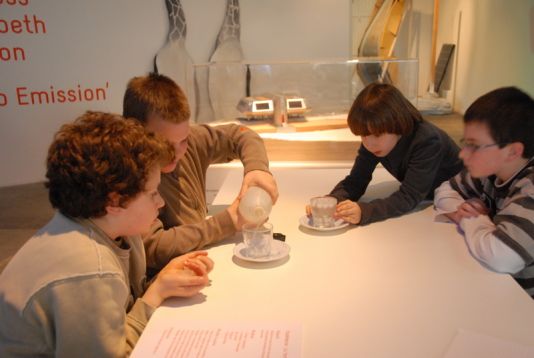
{"x":470,"y":224}
{"x":141,"y":311}
{"x":256,"y":166}
{"x":365,"y":209}
{"x":442,"y":218}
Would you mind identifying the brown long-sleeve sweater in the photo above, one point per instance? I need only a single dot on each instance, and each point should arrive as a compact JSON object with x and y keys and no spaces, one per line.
{"x":182,"y":224}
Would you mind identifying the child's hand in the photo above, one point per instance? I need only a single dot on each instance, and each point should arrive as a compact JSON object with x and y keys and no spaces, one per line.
{"x":468,"y":209}
{"x":453,"y":216}
{"x":479,"y":206}
{"x":200,"y":257}
{"x":349,"y":211}
{"x":471,"y":208}
{"x":183,"y":276}
{"x":197,"y":258}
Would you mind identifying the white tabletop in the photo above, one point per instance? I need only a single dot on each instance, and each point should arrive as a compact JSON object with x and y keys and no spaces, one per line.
{"x":399,"y":288}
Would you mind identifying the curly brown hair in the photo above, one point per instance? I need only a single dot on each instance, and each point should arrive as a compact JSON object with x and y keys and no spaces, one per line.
{"x":381,"y":108}
{"x":97,"y":155}
{"x":155,"y":94}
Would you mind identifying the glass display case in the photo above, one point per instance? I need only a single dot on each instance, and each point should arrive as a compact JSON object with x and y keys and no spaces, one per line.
{"x":251,"y":91}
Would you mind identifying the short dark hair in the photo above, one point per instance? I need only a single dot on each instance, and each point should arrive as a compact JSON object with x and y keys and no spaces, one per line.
{"x":99,"y":154}
{"x":155,"y":94}
{"x":381,"y":108}
{"x":508,"y":113}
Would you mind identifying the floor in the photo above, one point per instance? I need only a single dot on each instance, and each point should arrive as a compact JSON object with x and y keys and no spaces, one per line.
{"x":25,"y":208}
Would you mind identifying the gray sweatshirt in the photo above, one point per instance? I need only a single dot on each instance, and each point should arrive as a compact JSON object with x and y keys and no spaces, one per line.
{"x":71,"y":291}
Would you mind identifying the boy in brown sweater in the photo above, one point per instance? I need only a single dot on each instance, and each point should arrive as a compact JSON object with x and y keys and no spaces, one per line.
{"x":161,"y":106}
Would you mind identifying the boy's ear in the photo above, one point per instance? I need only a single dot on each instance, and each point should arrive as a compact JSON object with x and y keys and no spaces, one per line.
{"x":516,"y":150}
{"x":113,"y":205}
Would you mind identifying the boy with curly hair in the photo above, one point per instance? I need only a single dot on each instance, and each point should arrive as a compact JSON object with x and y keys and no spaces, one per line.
{"x":78,"y":287}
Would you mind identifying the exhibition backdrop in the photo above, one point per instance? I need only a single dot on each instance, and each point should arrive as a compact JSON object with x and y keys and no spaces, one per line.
{"x":59,"y":58}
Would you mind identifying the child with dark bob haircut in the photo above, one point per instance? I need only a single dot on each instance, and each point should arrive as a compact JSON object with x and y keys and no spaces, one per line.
{"x":78,"y":288}
{"x":394,"y":134}
{"x":492,"y":199}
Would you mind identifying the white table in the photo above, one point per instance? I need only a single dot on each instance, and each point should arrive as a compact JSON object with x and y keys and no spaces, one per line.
{"x":399,"y":288}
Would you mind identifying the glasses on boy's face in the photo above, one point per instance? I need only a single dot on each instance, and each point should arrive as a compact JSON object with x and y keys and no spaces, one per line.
{"x":472,"y":148}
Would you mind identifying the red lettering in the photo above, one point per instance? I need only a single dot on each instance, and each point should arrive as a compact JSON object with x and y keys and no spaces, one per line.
{"x":28,"y":25}
{"x":22,"y":96}
{"x":3,"y":100}
{"x":12,"y":54}
{"x":88,"y":94}
{"x":52,"y":95}
{"x":39,"y":97}
{"x":14,"y":2}
{"x":16,"y":26}
{"x":61,"y":96}
{"x":72,"y":95}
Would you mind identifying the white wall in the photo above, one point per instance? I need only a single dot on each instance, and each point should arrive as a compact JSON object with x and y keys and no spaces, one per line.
{"x":421,"y":38}
{"x":495,"y":46}
{"x":87,"y":43}
{"x":101,"y":44}
{"x":91,"y":43}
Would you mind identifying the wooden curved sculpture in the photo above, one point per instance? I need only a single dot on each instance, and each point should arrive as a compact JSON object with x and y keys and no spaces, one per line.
{"x":379,"y":39}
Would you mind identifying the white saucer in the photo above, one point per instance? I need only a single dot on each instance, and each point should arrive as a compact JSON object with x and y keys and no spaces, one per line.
{"x":307,"y":222}
{"x":279,"y":250}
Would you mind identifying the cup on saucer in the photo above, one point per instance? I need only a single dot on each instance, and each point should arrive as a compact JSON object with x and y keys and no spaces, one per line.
{"x":257,"y":239}
{"x":323,"y":209}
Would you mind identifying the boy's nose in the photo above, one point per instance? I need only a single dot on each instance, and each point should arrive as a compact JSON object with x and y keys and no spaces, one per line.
{"x":463,"y":154}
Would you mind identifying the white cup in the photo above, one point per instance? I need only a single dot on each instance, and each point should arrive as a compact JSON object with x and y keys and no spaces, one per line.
{"x":257,"y":239}
{"x":323,"y":209}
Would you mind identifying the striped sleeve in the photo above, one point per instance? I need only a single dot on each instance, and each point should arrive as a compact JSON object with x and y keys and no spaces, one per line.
{"x":450,"y":194}
{"x":513,"y":225}
{"x":446,"y":199}
{"x":467,"y":186}
{"x":515,"y":220}
{"x":487,"y":248}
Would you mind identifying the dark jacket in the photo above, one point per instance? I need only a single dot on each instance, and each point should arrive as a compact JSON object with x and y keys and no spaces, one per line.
{"x":421,"y":161}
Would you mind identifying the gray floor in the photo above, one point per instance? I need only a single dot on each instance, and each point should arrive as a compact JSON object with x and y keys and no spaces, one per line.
{"x":23,"y":210}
